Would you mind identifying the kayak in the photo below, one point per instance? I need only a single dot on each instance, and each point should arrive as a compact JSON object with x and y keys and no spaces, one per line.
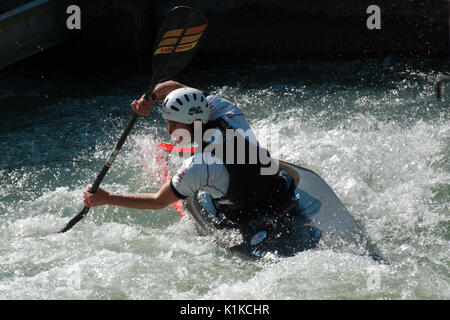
{"x":314,"y":219}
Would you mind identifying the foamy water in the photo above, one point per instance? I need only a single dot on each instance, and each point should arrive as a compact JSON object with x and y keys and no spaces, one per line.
{"x":374,"y":132}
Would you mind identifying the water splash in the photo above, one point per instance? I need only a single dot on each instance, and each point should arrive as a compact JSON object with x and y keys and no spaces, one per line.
{"x":375,"y":133}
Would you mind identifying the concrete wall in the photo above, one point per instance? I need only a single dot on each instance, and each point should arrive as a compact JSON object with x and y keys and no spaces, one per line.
{"x":119,"y":35}
{"x":322,"y":28}
{"x":30,"y":28}
{"x":6,"y":5}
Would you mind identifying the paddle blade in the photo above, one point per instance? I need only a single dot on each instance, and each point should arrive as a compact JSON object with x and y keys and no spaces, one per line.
{"x":178,"y":40}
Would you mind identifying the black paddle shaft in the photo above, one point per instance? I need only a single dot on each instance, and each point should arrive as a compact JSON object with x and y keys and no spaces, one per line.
{"x":103,"y":172}
{"x":177,"y":42}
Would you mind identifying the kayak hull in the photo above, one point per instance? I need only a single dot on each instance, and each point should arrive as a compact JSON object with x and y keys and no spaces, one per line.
{"x":321,"y":221}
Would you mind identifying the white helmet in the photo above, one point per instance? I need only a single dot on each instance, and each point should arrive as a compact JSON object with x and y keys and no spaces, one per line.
{"x":185,"y":105}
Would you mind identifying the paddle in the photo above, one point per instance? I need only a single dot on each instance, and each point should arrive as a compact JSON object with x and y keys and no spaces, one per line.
{"x":177,"y":41}
{"x":438,"y":86}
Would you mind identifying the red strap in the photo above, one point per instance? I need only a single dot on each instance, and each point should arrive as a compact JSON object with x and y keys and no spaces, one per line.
{"x":172,"y":148}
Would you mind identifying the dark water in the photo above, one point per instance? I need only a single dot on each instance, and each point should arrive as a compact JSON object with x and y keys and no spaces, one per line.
{"x":371,"y":128}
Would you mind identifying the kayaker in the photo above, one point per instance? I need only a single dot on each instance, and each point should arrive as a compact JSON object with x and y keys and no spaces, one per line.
{"x":244,"y":187}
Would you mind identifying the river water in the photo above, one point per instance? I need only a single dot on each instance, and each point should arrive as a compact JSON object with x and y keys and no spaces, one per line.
{"x":371,"y":128}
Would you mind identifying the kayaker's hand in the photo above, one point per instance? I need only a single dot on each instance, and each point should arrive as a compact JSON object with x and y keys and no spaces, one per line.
{"x":99,"y":198}
{"x":143,"y":106}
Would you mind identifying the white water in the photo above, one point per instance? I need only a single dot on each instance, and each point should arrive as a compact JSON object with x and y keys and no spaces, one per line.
{"x":371,"y":139}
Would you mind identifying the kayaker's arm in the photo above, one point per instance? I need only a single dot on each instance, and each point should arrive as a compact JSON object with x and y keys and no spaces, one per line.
{"x":166,"y":87}
{"x":159,"y":200}
{"x":143,"y":106}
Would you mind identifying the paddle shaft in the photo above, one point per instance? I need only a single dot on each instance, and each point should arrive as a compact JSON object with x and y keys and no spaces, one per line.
{"x":110,"y":160}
